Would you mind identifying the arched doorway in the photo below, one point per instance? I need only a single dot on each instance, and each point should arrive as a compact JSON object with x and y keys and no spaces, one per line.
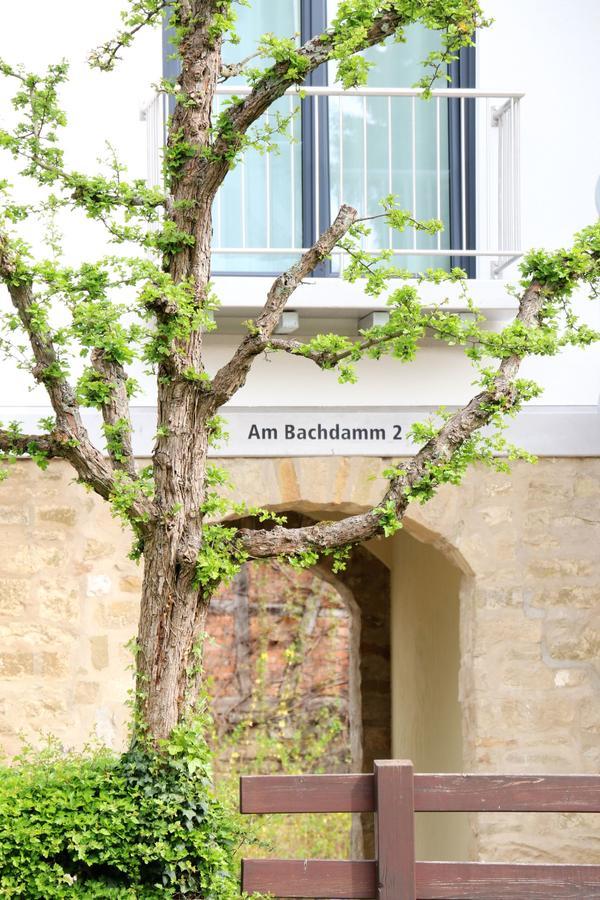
{"x":363,"y":589}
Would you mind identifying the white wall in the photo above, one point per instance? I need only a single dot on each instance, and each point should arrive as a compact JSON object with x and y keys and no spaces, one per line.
{"x":100,"y":106}
{"x":550,"y":51}
{"x":550,"y":55}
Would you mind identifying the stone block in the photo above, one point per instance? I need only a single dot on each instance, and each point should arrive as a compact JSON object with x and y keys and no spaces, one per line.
{"x":61,"y":515}
{"x":575,"y":596}
{"x":15,"y":515}
{"x":130,"y":584}
{"x":119,"y":613}
{"x":24,"y":559}
{"x":19,"y":662}
{"x":54,"y":665}
{"x":560,"y":568}
{"x":99,"y":651}
{"x":87,"y":692}
{"x":59,"y":601}
{"x":568,"y":641}
{"x":14,"y":596}
{"x":95,"y":549}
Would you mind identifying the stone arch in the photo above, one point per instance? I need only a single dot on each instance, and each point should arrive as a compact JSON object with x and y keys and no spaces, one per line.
{"x":399,"y":710}
{"x":337,"y":486}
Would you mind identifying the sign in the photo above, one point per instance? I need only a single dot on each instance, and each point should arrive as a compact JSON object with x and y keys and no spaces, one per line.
{"x":318,"y":432}
{"x":344,"y":431}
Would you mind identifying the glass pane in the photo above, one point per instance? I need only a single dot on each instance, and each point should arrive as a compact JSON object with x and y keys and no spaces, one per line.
{"x":260,"y":202}
{"x":394,"y":145}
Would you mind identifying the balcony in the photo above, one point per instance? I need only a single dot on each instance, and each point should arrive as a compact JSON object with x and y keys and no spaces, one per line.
{"x":454,"y":157}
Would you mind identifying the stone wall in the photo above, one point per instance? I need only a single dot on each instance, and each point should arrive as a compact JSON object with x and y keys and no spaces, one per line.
{"x":525,"y":547}
{"x":68,"y":605}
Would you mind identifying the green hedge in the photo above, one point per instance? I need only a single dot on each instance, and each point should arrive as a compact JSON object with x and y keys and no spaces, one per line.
{"x":96,"y":824}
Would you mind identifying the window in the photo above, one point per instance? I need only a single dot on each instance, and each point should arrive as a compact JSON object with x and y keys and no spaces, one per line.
{"x":356,"y":149}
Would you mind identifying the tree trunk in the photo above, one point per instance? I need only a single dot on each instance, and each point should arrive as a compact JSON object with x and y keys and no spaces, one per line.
{"x":173,"y":608}
{"x":172,"y":618}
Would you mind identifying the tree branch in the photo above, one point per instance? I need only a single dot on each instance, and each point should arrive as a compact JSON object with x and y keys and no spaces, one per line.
{"x":85,"y":458}
{"x":105,"y":56}
{"x":232,"y":70}
{"x":328,"y":359}
{"x":115,"y":413}
{"x":323,"y":358}
{"x":276,"y":80}
{"x":453,"y":434}
{"x":49,"y":445}
{"x":233,"y":374}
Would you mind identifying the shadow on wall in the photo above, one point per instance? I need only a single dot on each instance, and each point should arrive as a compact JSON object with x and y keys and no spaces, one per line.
{"x":426,"y":711}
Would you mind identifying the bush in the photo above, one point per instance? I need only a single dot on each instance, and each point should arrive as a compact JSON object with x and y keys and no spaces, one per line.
{"x":96,"y":824}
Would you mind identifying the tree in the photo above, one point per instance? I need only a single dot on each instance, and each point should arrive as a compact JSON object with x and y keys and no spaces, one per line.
{"x":177,"y":507}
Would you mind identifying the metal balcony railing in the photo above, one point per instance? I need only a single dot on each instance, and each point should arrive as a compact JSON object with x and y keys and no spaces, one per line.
{"x":455,"y":157}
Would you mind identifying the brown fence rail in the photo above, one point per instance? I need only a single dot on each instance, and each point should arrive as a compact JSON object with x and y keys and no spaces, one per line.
{"x":395,"y":793}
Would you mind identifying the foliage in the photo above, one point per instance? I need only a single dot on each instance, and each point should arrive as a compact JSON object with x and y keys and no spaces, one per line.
{"x":95,"y":824}
{"x":456,"y":20}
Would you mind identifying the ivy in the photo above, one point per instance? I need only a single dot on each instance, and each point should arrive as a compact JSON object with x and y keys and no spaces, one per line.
{"x":216,"y":431}
{"x":285,"y":52}
{"x":177,"y":153}
{"x":303,"y":559}
{"x":223,"y":23}
{"x":125,"y":493}
{"x":340,"y":557}
{"x":387,"y":514}
{"x":180,"y":315}
{"x":306,"y":559}
{"x":169,"y":239}
{"x":47,"y":424}
{"x":220,"y":557}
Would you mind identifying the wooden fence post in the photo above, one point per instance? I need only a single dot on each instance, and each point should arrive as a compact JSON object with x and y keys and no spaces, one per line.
{"x":394,"y":794}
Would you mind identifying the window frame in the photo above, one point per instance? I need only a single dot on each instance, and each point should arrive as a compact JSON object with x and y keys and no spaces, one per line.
{"x":313,"y":20}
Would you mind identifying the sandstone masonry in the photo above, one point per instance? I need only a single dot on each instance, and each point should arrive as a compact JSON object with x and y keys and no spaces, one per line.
{"x":526,"y":547}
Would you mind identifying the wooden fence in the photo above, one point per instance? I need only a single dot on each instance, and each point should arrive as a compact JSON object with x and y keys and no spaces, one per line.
{"x":395,"y":793}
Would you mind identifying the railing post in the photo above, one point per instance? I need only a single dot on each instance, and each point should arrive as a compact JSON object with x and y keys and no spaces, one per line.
{"x":394,"y":795}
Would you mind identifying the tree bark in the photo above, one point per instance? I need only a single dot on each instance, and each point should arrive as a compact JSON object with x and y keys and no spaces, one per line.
{"x":173,"y":608}
{"x":172,"y":617}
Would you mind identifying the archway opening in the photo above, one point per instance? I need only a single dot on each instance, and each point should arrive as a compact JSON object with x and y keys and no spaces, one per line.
{"x":426,"y":660}
{"x":401,"y":600}
{"x":353,"y":659}
{"x":280,"y":661}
